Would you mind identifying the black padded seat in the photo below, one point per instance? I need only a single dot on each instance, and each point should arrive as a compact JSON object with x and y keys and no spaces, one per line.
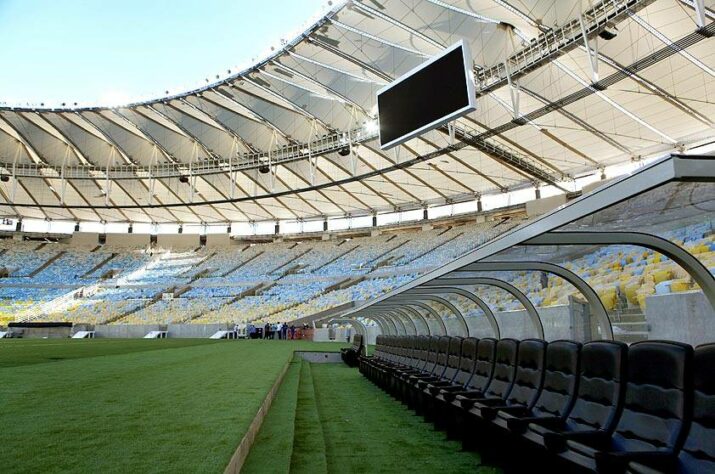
{"x":454,"y":354}
{"x":599,"y":395}
{"x":368,"y":364}
{"x":502,"y":378}
{"x":558,"y":393}
{"x":351,"y":355}
{"x":526,"y":388}
{"x":410,"y":362}
{"x":431,"y":388}
{"x":698,"y":452}
{"x":467,"y":366}
{"x":656,"y":410}
{"x":481,"y":373}
{"x":417,"y":382}
{"x":401,"y":376}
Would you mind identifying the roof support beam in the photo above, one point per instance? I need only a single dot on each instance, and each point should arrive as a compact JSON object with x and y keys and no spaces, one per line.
{"x":488,"y":313}
{"x":430,"y":295}
{"x":518,"y":294}
{"x":597,"y":308}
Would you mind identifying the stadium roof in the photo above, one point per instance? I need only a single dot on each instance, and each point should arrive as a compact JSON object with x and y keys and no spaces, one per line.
{"x":294,"y":136}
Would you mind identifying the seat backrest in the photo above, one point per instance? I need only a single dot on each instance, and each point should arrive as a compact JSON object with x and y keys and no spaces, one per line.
{"x":403,"y":349}
{"x":467,"y":360}
{"x":560,"y":379}
{"x":357,"y":342}
{"x":454,"y":353}
{"x":432,"y":354}
{"x":414,"y":351}
{"x":601,"y":386}
{"x":379,"y":347}
{"x":484,"y":366}
{"x":529,"y":373}
{"x":422,"y":351}
{"x":658,"y":396}
{"x":504,"y":369}
{"x":442,"y":356}
{"x":698,"y":453}
{"x":391,"y":349}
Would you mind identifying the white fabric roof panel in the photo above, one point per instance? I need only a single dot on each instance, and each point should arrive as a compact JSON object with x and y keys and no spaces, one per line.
{"x":322,"y":86}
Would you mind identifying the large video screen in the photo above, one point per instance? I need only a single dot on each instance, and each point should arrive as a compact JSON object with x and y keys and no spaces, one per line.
{"x":436,"y":92}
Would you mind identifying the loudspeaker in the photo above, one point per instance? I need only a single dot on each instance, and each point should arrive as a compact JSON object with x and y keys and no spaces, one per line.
{"x":4,"y":178}
{"x":183,"y":179}
{"x":76,"y":227}
{"x":264,"y":169}
{"x":609,"y":32}
{"x":344,"y":151}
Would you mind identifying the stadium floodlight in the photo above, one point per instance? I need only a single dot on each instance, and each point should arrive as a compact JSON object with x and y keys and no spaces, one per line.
{"x":432,"y":94}
{"x":371,"y":126}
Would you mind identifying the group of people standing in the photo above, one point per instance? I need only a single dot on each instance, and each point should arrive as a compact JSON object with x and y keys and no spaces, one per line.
{"x":278,"y":331}
{"x":272,"y":331}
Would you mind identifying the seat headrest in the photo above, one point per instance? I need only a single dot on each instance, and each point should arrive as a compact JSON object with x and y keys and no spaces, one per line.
{"x":444,"y":343}
{"x":705,"y":368}
{"x":660,"y":363}
{"x":469,"y":346}
{"x":455,"y":346}
{"x":604,"y":359}
{"x":531,"y":353}
{"x":506,"y":351}
{"x":486,"y":348}
{"x":562,"y":356}
{"x":434,"y":343}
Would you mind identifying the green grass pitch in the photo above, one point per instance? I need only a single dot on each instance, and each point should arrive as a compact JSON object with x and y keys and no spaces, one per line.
{"x":132,"y":405}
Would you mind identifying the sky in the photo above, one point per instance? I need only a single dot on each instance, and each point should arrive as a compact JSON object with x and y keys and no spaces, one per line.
{"x":103,"y":52}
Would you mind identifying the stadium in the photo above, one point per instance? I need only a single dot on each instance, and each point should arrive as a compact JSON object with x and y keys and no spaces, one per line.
{"x":424,"y":235}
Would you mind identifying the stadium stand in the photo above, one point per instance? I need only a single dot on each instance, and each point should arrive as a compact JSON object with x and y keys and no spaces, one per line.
{"x":151,"y":285}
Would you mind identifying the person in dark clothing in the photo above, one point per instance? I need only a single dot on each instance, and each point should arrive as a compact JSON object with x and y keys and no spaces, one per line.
{"x":292,"y":332}
{"x":267,"y":331}
{"x":284,"y":331}
{"x":544,"y":280}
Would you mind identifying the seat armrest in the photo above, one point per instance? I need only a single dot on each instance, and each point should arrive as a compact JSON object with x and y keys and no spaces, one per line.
{"x":423,"y":381}
{"x":617,"y":462}
{"x":518,"y":424}
{"x":467,"y":398}
{"x":490,"y":412}
{"x":557,"y":441}
{"x":660,"y":467}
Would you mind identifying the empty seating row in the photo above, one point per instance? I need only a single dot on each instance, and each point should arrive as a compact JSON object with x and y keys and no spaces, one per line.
{"x":596,"y":407}
{"x":351,"y":355}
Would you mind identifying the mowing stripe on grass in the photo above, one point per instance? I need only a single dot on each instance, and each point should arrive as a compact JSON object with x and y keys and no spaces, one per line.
{"x":367,"y":431}
{"x":309,"y":442}
{"x":271,"y":451}
{"x":178,"y":410}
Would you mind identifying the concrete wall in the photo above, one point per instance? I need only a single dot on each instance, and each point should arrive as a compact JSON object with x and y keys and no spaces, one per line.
{"x":126,"y":330}
{"x":218,"y":241}
{"x":685,"y":317}
{"x":542,"y":206}
{"x":201,"y":331}
{"x":84,"y":239}
{"x":42,"y":332}
{"x":321,"y":335}
{"x":558,"y":322}
{"x":177,"y":241}
{"x":128,"y":240}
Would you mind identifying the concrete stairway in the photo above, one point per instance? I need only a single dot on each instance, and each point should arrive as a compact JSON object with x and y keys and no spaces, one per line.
{"x":630,"y":326}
